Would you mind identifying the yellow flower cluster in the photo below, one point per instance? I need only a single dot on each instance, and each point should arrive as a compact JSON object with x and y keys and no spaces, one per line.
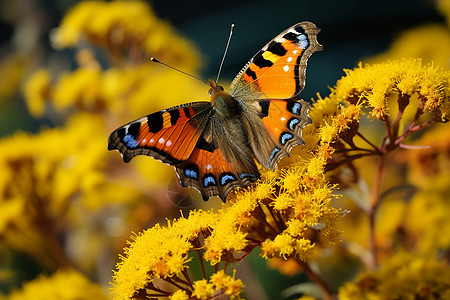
{"x":405,"y":276}
{"x":41,"y":174}
{"x":433,"y":46}
{"x":404,"y":78}
{"x":63,"y":178}
{"x":131,"y":85}
{"x":124,"y":28}
{"x":288,"y":215}
{"x":429,"y":171}
{"x":62,"y":285}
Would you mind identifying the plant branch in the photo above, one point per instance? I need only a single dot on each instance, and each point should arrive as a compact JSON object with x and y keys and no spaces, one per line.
{"x":317,"y":279}
{"x":367,"y":141}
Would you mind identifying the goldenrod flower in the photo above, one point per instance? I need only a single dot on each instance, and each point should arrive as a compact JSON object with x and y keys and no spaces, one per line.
{"x":37,"y":92}
{"x":375,"y":83}
{"x":160,"y":252}
{"x":404,"y":276}
{"x":63,"y":285}
{"x":41,"y":176}
{"x":429,"y":171}
{"x":434,"y":46}
{"x":124,"y":28}
{"x":289,"y":215}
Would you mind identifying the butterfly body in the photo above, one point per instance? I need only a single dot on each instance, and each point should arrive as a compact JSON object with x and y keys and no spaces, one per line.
{"x":213,"y":145}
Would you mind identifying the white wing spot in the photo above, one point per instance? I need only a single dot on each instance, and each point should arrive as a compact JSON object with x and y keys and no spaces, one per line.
{"x":295,"y":51}
{"x":151,"y":140}
{"x":208,"y":167}
{"x":161,"y":140}
{"x":286,"y":68}
{"x":144,"y":140}
{"x":168,"y":143}
{"x":289,"y":59}
{"x":283,"y":119}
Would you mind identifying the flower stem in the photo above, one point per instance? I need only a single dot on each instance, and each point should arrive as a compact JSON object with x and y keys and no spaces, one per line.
{"x":317,"y":279}
{"x":412,"y":128}
{"x":367,"y":141}
{"x":200,"y":258}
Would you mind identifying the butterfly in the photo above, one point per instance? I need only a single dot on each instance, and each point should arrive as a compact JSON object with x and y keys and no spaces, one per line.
{"x":214,"y":144}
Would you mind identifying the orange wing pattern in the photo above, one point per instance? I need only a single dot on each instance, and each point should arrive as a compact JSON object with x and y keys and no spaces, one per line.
{"x":169,"y":135}
{"x":187,"y":136}
{"x":284,"y":120}
{"x":277,"y":71}
{"x":208,"y":171}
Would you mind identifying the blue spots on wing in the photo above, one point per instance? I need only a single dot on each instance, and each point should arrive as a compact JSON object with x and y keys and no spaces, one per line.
{"x":245,"y":175}
{"x":292,"y":123}
{"x":191,"y":171}
{"x":191,"y":174}
{"x":209,"y":180}
{"x":302,"y":40}
{"x":274,"y":153}
{"x":284,"y":138}
{"x":226,"y":178}
{"x":130,"y":141}
{"x":294,"y":107}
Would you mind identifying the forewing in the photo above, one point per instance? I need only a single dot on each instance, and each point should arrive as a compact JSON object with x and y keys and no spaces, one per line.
{"x":169,"y":135}
{"x":277,"y":71}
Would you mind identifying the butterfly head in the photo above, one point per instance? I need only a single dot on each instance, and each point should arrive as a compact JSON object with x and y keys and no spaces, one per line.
{"x":223,"y":102}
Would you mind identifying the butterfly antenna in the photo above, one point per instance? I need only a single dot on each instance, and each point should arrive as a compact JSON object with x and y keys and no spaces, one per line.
{"x":225,"y":53}
{"x":164,"y":64}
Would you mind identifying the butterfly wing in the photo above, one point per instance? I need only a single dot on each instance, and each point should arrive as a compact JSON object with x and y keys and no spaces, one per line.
{"x":210,"y":172}
{"x":284,"y":120}
{"x":277,"y":71}
{"x":169,"y":135}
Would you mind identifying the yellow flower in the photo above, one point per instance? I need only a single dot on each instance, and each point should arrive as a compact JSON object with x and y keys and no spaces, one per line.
{"x":124,"y":28}
{"x":203,"y":289}
{"x":12,"y":68}
{"x":12,"y":209}
{"x":160,"y":252}
{"x":375,"y":83}
{"x":429,"y":171}
{"x":42,"y":174}
{"x":288,"y":267}
{"x":63,"y":285}
{"x":404,"y":276}
{"x":306,"y":298}
{"x":231,"y":287}
{"x":323,"y":110}
{"x":434,"y":46}
{"x":37,"y":90}
{"x":179,"y":295}
{"x":79,"y":88}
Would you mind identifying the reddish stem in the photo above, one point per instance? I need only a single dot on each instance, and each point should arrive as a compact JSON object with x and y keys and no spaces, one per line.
{"x":412,"y":129}
{"x":317,"y":279}
{"x":200,"y":258}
